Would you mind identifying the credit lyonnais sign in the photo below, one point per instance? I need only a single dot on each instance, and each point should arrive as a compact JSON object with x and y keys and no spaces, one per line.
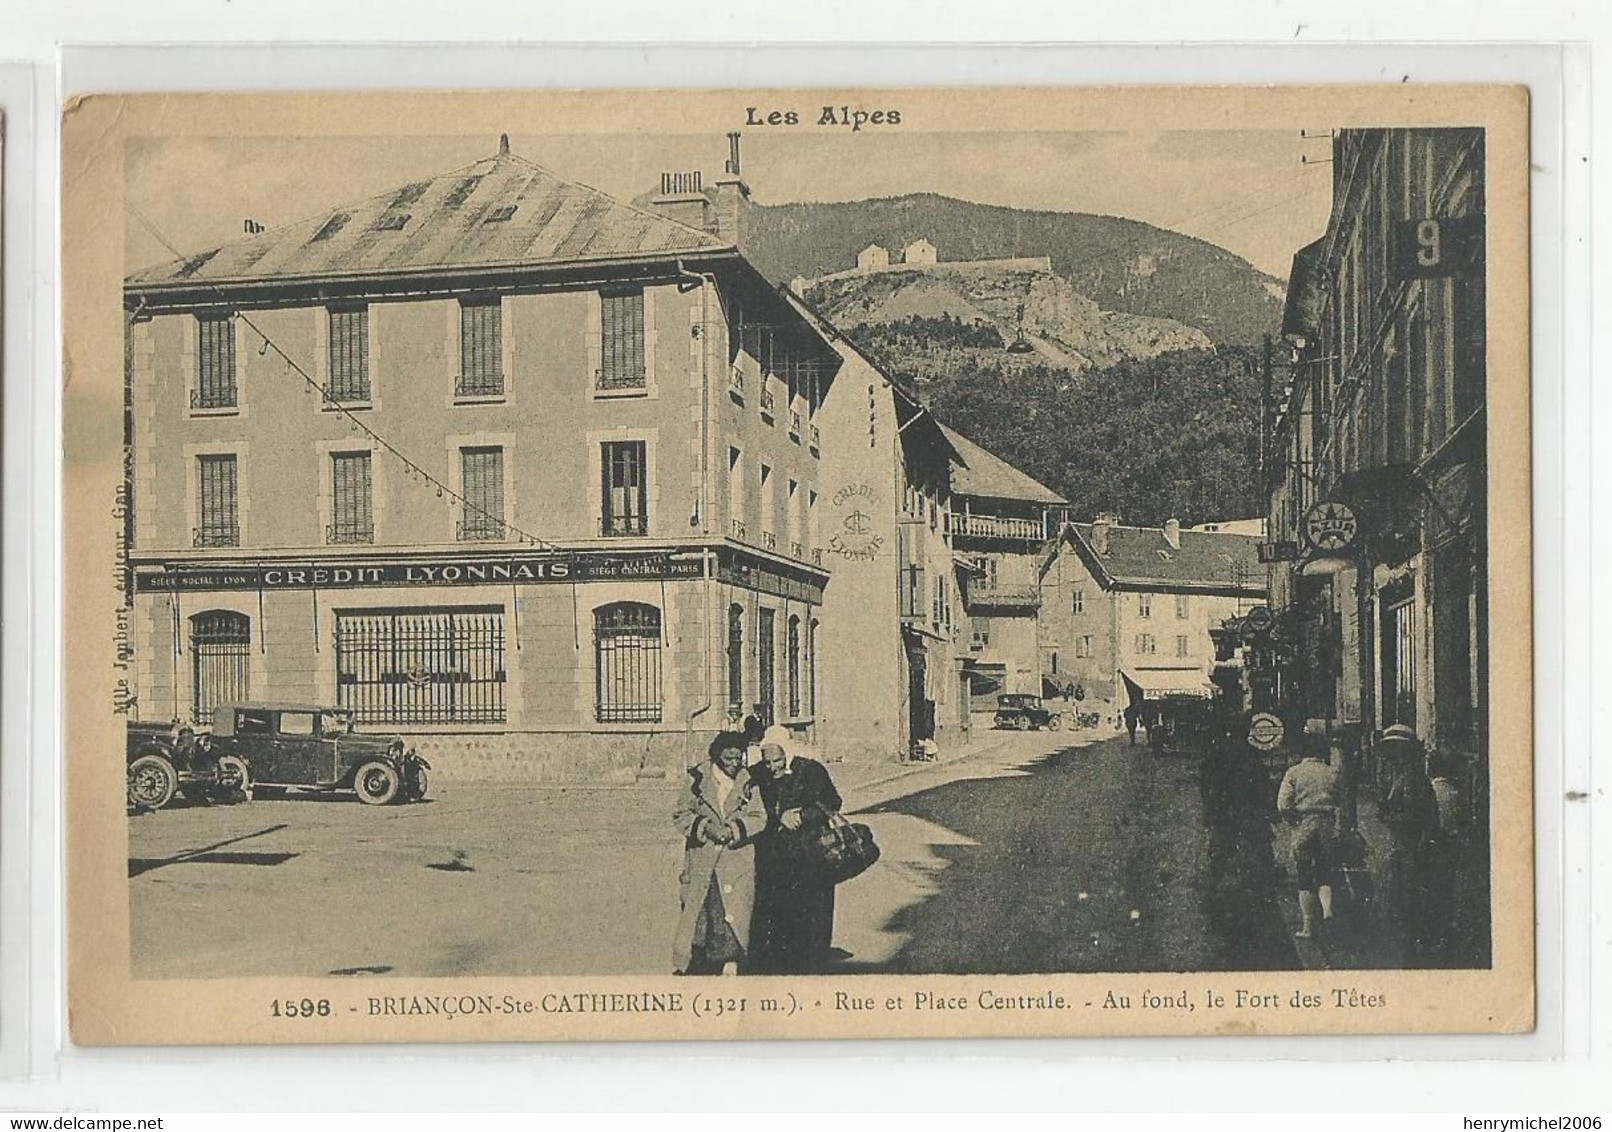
{"x":457,"y":572}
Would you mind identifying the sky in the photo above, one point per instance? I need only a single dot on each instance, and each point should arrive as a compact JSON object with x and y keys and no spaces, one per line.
{"x":1247,"y":191}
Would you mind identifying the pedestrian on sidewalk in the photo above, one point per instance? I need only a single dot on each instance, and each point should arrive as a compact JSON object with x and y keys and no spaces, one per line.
{"x":753,"y":726}
{"x":794,"y":902}
{"x":1449,"y":875}
{"x":1237,"y":808}
{"x":1132,"y":718}
{"x":1410,"y":812}
{"x":1308,"y":797}
{"x":720,"y":815}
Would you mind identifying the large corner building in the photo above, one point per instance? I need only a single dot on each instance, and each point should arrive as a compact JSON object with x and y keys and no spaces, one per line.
{"x":489,"y":453}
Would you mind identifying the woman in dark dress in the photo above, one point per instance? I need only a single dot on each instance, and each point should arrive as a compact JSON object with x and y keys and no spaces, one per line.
{"x":794,"y":917}
{"x":1240,"y":889}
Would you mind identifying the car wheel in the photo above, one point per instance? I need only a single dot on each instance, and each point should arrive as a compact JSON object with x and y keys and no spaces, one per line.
{"x":233,"y":774}
{"x":1023,"y":723}
{"x":1055,"y":723}
{"x":152,"y":782}
{"x":419,"y":783}
{"x":377,"y":783}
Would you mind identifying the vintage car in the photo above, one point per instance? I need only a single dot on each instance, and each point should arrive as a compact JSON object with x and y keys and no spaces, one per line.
{"x":1181,"y":723}
{"x":300,"y":746}
{"x":1022,"y":712}
{"x":169,"y":760}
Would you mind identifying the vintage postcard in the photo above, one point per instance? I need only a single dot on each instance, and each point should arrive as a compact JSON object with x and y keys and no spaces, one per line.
{"x":797,"y":563}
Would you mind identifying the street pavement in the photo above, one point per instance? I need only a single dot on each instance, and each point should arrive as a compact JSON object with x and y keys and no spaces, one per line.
{"x":1038,"y":852}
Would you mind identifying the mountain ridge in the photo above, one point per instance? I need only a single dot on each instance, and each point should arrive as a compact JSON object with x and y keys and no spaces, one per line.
{"x":1125,"y":266}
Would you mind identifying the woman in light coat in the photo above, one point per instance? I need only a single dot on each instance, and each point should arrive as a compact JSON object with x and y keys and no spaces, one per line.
{"x":720,"y":815}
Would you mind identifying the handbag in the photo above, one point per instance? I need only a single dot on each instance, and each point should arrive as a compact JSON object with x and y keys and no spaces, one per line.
{"x":838,"y":848}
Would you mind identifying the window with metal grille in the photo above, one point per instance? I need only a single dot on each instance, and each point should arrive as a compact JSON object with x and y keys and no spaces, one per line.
{"x":352,"y":513}
{"x":621,"y":340}
{"x":811,"y":666}
{"x":1145,"y":644}
{"x":1399,"y":664}
{"x":766,"y":668}
{"x":220,"y":651}
{"x":624,"y":488}
{"x":482,"y":485}
{"x":217,"y":509}
{"x":793,"y":644}
{"x":736,"y":661}
{"x":481,"y":348}
{"x":215,"y":362}
{"x":421,"y":666}
{"x":627,"y":651}
{"x":349,"y":354}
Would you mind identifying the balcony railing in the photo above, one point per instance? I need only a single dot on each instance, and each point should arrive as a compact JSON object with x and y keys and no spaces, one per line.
{"x":482,"y":529}
{"x":348,"y":534}
{"x":1004,"y":596}
{"x":769,"y":540}
{"x":815,"y":441}
{"x":221,"y":397}
{"x":736,"y":380}
{"x":623,"y":526}
{"x":794,"y":425}
{"x":216,"y":535}
{"x":993,"y":527}
{"x":769,"y":402}
{"x":796,"y":550}
{"x":617,"y":378}
{"x":736,"y":528}
{"x":483,"y":385}
{"x":817,"y":555}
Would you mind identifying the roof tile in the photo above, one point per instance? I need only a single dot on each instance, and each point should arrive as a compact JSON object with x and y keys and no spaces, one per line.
{"x":989,"y":476}
{"x":445,"y":223}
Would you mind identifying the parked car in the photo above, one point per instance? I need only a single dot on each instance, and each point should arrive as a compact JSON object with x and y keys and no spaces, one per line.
{"x":300,"y":746}
{"x":1022,"y":712}
{"x":169,"y":760}
{"x":1181,"y":723}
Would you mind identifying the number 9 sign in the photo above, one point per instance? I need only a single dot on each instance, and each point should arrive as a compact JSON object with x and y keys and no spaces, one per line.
{"x":1434,"y":246}
{"x":1428,"y":254}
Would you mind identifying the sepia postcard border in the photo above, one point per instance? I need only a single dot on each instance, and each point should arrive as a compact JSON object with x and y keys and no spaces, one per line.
{"x":108,"y":1006}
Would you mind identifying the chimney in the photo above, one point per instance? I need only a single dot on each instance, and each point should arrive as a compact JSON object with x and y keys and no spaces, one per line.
{"x":503,"y":145}
{"x":1172,"y":533}
{"x":1100,"y":528}
{"x":732,"y":199}
{"x":682,"y":198}
{"x":719,"y":210}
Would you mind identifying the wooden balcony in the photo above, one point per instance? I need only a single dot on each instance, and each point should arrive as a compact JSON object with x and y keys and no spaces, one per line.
{"x":983,"y":596}
{"x":991,"y":528}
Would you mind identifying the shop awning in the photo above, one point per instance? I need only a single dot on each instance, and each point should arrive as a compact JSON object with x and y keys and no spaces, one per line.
{"x":1156,"y":683}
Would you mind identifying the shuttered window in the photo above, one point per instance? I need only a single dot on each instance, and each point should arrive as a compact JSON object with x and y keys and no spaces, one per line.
{"x":624,"y":488}
{"x":621,"y":340}
{"x":482,"y":473}
{"x":481,"y":348}
{"x":352,"y":513}
{"x":218,"y":509}
{"x":349,"y":354}
{"x":215,"y":363}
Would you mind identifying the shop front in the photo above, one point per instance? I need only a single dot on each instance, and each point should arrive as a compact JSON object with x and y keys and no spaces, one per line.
{"x":541,"y":665}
